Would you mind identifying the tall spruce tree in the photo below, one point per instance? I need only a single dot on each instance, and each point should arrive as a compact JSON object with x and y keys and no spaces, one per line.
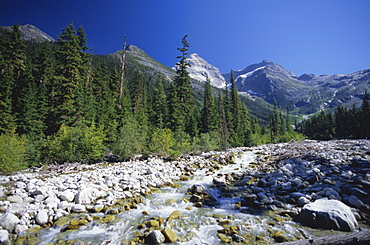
{"x":239,"y":122}
{"x":160,"y":109}
{"x":365,"y":116}
{"x":103,"y":91}
{"x":209,"y":117}
{"x":12,"y":78}
{"x":222,"y":124}
{"x":181,"y":101}
{"x":71,"y":67}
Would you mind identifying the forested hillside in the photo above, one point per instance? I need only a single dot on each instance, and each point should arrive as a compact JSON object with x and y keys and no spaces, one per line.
{"x":59,"y":103}
{"x":345,"y":122}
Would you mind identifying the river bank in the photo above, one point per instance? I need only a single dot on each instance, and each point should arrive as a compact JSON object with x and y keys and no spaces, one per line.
{"x":279,"y":179}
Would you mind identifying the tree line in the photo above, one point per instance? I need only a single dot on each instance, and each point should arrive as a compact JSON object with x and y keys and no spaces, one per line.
{"x":343,"y":123}
{"x":59,"y":103}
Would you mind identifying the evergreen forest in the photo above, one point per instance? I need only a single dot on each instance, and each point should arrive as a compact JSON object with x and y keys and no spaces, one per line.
{"x":351,"y":123}
{"x":60,"y":103}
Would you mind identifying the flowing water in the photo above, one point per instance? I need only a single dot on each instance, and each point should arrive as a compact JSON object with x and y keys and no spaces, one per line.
{"x":194,"y":226}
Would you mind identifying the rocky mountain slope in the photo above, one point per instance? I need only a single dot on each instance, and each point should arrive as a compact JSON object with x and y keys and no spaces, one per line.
{"x":200,"y":70}
{"x":305,"y":94}
{"x":30,"y":32}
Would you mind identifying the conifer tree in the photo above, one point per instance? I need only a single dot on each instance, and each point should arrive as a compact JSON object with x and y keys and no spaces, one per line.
{"x":181,"y":101}
{"x":209,"y":112}
{"x":13,"y":78}
{"x":103,"y":91}
{"x":239,"y":124}
{"x":160,"y":109}
{"x":222,"y":124}
{"x":365,"y":116}
{"x":43,"y":71}
{"x":71,"y":67}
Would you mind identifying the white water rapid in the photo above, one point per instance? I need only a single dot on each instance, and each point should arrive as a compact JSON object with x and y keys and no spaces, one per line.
{"x":196,"y":225}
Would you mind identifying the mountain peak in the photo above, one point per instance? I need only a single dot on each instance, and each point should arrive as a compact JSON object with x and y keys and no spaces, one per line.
{"x":31,"y":32}
{"x":200,"y":70}
{"x":134,"y":49}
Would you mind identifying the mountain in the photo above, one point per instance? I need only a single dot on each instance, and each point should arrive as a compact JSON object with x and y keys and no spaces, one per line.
{"x":305,"y":94}
{"x":200,"y":70}
{"x":30,"y":32}
{"x":259,"y":84}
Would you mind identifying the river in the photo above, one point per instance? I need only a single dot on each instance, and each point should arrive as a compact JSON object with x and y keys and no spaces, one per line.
{"x":196,"y":225}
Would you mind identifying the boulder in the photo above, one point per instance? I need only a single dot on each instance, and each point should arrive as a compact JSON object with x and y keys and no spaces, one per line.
{"x":42,"y":217}
{"x":20,"y":228}
{"x":156,"y":237}
{"x":197,"y":189}
{"x":78,"y":208}
{"x":15,"y":199}
{"x":357,"y":192}
{"x":8,"y":221}
{"x":328,"y":214}
{"x":88,"y":195}
{"x":169,"y":235}
{"x":4,"y":237}
{"x":302,"y":201}
{"x":355,"y":202}
{"x":67,"y":196}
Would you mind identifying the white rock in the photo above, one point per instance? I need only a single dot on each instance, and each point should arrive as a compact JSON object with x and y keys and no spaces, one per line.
{"x":20,"y":228}
{"x":9,"y":221}
{"x":78,"y":208}
{"x":59,"y":213}
{"x":67,"y":195}
{"x":157,"y":237}
{"x":14,"y":199}
{"x":88,"y":195}
{"x":42,"y":217}
{"x":51,"y":199}
{"x":20,"y":185}
{"x":328,"y":214}
{"x":4,"y":237}
{"x":302,"y":201}
{"x":65,"y":205}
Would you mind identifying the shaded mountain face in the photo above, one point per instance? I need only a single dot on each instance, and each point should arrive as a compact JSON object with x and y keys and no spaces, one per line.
{"x":136,"y":54}
{"x":30,"y":32}
{"x":305,"y":94}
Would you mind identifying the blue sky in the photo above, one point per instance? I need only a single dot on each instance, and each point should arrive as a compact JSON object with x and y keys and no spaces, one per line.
{"x":315,"y":36}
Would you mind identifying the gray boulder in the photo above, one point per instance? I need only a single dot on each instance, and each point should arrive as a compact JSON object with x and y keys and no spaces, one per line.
{"x":156,"y":237}
{"x":8,"y":221}
{"x":328,"y":214}
{"x":355,"y":202}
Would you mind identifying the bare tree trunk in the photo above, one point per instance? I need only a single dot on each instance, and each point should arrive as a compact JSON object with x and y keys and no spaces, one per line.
{"x":122,"y":71}
{"x":356,"y":238}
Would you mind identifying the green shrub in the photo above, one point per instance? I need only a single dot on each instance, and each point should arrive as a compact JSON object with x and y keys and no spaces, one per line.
{"x":162,"y":141}
{"x":76,"y":144}
{"x":182,"y":144}
{"x":130,"y":141}
{"x":206,"y":142}
{"x":13,"y":155}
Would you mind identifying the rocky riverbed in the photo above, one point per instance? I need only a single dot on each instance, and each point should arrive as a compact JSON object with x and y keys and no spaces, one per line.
{"x":284,"y":180}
